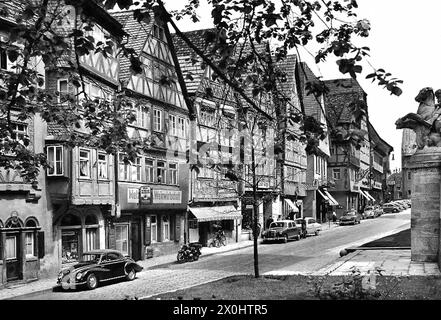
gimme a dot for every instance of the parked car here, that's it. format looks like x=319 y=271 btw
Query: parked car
x=350 y=217
x=400 y=205
x=390 y=208
x=369 y=212
x=378 y=211
x=96 y=267
x=282 y=230
x=312 y=226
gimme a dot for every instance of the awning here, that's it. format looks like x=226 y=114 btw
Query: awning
x=364 y=195
x=292 y=205
x=369 y=195
x=324 y=196
x=216 y=213
x=332 y=201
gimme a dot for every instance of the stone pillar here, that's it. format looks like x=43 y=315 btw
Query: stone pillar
x=425 y=217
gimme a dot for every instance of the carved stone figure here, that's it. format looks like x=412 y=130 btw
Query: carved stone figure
x=427 y=121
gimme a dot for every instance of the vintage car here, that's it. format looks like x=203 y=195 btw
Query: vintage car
x=96 y=267
x=369 y=212
x=282 y=230
x=350 y=217
x=312 y=226
x=390 y=208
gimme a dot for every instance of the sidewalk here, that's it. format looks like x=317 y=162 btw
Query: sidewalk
x=394 y=262
x=19 y=289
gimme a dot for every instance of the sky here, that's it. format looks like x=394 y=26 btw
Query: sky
x=404 y=40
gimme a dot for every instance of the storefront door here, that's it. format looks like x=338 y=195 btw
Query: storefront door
x=13 y=257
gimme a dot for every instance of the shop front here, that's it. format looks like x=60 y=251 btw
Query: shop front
x=327 y=205
x=205 y=221
x=80 y=229
x=151 y=221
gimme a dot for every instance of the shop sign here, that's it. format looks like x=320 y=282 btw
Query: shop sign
x=145 y=195
x=167 y=196
x=132 y=195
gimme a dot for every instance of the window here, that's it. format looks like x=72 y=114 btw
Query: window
x=157 y=120
x=21 y=131
x=173 y=170
x=142 y=117
x=336 y=174
x=317 y=164
x=409 y=176
x=158 y=32
x=160 y=172
x=122 y=238
x=409 y=193
x=165 y=228
x=149 y=170
x=84 y=163
x=173 y=126
x=123 y=168
x=63 y=89
x=181 y=128
x=136 y=170
x=29 y=244
x=154 y=228
x=3 y=59
x=11 y=247
x=102 y=166
x=91 y=239
x=55 y=159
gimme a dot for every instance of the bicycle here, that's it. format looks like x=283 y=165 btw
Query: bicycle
x=218 y=240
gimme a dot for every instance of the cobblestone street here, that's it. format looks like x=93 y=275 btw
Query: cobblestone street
x=304 y=257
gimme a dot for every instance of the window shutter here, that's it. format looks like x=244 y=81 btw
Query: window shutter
x=40 y=240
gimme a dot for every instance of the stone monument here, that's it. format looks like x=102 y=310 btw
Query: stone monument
x=425 y=165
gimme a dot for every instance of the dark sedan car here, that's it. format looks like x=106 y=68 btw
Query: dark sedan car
x=350 y=217
x=96 y=267
x=282 y=230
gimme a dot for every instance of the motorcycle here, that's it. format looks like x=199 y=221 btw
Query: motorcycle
x=189 y=252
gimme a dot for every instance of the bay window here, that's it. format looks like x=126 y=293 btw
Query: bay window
x=149 y=170
x=123 y=168
x=55 y=159
x=173 y=171
x=173 y=126
x=102 y=166
x=136 y=170
x=161 y=172
x=84 y=163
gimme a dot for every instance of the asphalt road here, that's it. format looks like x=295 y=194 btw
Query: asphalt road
x=306 y=255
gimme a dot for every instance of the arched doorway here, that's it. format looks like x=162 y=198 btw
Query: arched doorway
x=13 y=250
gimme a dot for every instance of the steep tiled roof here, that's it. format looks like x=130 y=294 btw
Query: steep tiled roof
x=137 y=32
x=312 y=106
x=187 y=57
x=342 y=93
x=379 y=142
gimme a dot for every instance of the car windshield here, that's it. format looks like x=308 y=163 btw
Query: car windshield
x=298 y=221
x=277 y=225
x=350 y=213
x=368 y=208
x=93 y=258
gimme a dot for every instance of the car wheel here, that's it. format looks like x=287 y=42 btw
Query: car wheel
x=286 y=238
x=317 y=232
x=91 y=281
x=298 y=237
x=180 y=257
x=131 y=274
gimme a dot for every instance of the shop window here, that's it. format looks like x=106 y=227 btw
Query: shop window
x=154 y=228
x=165 y=228
x=173 y=171
x=122 y=238
x=55 y=159
x=70 y=240
x=84 y=163
x=149 y=170
x=161 y=172
x=102 y=166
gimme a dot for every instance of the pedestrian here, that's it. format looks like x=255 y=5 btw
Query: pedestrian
x=269 y=221
x=334 y=217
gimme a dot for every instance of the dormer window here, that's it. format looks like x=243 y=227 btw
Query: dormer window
x=158 y=32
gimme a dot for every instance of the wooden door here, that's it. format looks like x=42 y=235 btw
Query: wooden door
x=13 y=257
x=136 y=240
